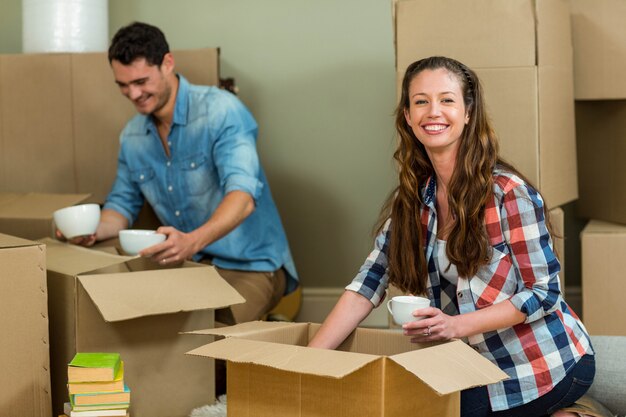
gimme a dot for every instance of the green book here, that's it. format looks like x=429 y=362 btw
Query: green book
x=93 y=367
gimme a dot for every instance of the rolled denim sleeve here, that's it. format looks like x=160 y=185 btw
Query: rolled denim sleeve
x=234 y=151
x=526 y=233
x=372 y=279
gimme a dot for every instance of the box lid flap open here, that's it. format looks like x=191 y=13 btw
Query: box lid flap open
x=310 y=361
x=450 y=367
x=128 y=295
x=7 y=241
x=73 y=260
x=247 y=328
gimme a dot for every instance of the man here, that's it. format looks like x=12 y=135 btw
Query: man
x=191 y=153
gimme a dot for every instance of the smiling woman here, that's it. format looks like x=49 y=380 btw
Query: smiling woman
x=465 y=229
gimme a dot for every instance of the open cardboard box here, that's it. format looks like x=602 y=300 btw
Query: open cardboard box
x=522 y=52
x=108 y=303
x=25 y=375
x=374 y=372
x=29 y=215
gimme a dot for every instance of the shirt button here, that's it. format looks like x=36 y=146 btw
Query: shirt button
x=460 y=294
x=170 y=188
x=193 y=165
x=169 y=143
x=141 y=177
x=177 y=213
x=168 y=163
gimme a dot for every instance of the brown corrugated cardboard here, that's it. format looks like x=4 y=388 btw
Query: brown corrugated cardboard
x=601 y=133
x=526 y=71
x=30 y=215
x=603 y=283
x=378 y=373
x=599 y=48
x=37 y=123
x=72 y=109
x=104 y=302
x=25 y=375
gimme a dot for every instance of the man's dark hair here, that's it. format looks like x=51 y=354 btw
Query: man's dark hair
x=138 y=40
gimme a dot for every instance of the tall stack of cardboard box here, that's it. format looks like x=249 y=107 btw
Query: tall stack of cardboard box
x=600 y=92
x=522 y=53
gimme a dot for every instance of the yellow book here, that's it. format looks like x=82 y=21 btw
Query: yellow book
x=101 y=386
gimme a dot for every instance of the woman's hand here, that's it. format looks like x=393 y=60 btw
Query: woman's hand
x=434 y=326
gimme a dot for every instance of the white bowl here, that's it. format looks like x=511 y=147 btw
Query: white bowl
x=78 y=220
x=134 y=241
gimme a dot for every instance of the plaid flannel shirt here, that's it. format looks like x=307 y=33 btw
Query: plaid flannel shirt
x=537 y=353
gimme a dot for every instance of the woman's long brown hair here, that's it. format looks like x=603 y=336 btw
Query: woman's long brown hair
x=470 y=187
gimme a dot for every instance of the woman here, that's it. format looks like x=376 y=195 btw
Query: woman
x=467 y=230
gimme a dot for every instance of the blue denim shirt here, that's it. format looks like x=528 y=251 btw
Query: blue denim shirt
x=213 y=152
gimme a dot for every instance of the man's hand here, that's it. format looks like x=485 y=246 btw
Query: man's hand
x=86 y=240
x=177 y=248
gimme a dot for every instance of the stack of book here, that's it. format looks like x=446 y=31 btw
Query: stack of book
x=96 y=386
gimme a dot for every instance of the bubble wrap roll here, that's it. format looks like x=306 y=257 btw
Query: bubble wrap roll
x=65 y=25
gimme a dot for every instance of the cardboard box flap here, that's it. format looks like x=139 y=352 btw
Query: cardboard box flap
x=247 y=329
x=7 y=241
x=38 y=205
x=124 y=296
x=73 y=260
x=450 y=367
x=310 y=361
x=266 y=331
x=597 y=226
x=8 y=197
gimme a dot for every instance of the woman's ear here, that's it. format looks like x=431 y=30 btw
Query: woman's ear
x=407 y=117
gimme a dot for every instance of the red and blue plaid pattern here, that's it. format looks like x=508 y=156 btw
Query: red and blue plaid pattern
x=523 y=268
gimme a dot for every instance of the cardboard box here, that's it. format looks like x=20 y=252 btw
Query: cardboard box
x=557 y=217
x=373 y=373
x=70 y=108
x=603 y=283
x=599 y=49
x=105 y=302
x=601 y=132
x=29 y=215
x=25 y=375
x=526 y=71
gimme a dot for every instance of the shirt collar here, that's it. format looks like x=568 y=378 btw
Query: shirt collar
x=430 y=191
x=181 y=107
